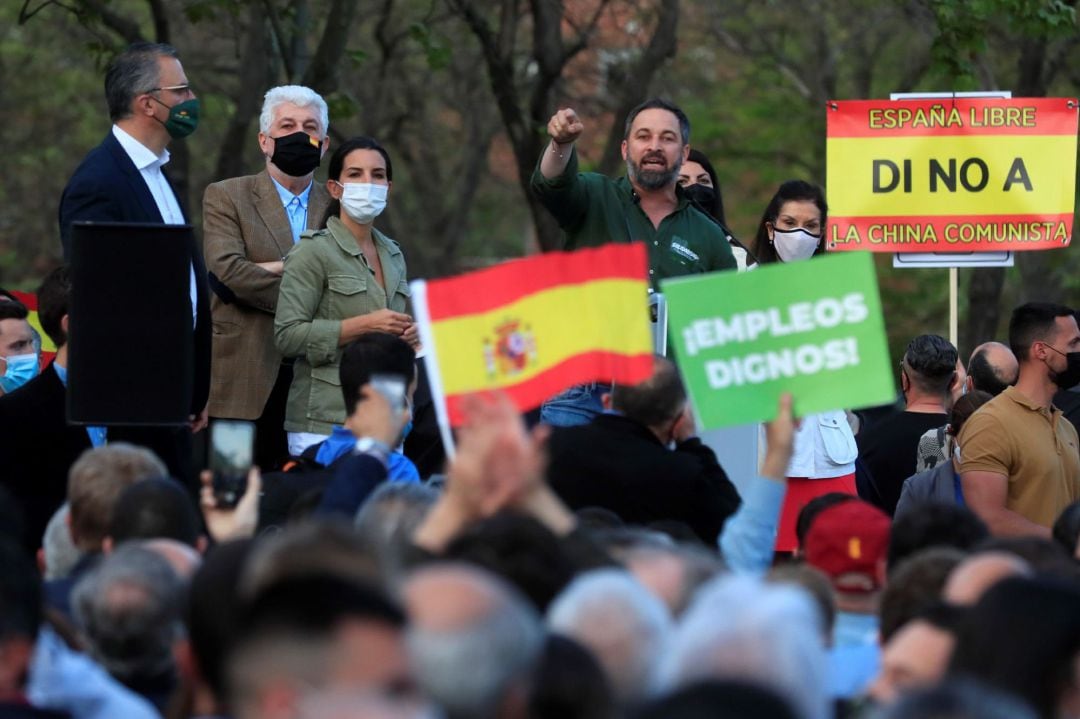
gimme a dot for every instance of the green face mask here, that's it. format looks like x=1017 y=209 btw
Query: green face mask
x=183 y=118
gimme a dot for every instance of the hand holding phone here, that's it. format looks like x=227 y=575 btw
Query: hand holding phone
x=231 y=452
x=382 y=410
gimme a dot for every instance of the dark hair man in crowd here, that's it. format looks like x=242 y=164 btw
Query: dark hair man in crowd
x=621 y=460
x=888 y=449
x=1019 y=465
x=374 y=436
x=121 y=180
x=645 y=206
x=303 y=637
x=39 y=446
x=18 y=359
x=249 y=225
x=991 y=368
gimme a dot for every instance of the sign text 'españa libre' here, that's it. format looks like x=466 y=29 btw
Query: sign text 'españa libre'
x=811 y=328
x=951 y=175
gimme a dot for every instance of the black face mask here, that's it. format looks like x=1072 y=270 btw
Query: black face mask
x=1070 y=377
x=703 y=195
x=297 y=154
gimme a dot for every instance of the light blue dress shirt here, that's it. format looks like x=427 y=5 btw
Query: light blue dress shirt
x=296 y=207
x=98 y=435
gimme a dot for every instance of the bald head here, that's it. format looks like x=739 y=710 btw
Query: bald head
x=992 y=367
x=184 y=559
x=450 y=597
x=972 y=577
x=472 y=639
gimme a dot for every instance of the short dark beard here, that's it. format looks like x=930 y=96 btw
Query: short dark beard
x=652 y=179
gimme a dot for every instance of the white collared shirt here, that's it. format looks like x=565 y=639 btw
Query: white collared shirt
x=149 y=166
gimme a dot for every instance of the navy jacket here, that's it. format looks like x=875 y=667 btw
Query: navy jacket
x=37 y=449
x=107 y=187
x=618 y=464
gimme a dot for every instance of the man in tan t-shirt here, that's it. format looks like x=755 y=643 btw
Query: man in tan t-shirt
x=1019 y=463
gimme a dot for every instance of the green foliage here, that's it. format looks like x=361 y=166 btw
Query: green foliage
x=212 y=10
x=964 y=25
x=435 y=48
x=753 y=76
x=358 y=57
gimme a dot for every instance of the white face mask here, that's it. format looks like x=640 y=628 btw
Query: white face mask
x=794 y=245
x=363 y=201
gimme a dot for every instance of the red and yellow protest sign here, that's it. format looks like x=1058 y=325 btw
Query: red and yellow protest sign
x=951 y=175
x=536 y=326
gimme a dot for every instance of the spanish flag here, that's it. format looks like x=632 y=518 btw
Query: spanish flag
x=536 y=326
x=48 y=349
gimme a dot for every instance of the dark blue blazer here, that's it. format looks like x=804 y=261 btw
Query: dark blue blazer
x=37 y=448
x=107 y=187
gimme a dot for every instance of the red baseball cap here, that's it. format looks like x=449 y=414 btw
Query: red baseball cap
x=848 y=541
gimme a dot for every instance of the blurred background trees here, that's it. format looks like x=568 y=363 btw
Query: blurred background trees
x=460 y=92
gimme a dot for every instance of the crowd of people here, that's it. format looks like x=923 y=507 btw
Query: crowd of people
x=593 y=561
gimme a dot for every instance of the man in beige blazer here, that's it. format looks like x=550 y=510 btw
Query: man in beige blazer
x=249 y=224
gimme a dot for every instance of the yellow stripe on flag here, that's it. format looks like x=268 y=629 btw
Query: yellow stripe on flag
x=851 y=159
x=554 y=325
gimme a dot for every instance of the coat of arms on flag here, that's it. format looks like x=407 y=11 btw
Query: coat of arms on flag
x=536 y=326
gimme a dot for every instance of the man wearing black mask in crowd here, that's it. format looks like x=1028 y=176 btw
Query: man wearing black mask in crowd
x=249 y=225
x=1019 y=462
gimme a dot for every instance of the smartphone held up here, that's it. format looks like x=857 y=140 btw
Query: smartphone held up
x=232 y=446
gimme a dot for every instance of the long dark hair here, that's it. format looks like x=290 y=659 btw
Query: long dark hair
x=717 y=210
x=337 y=163
x=792 y=190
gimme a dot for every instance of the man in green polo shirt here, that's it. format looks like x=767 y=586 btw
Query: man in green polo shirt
x=645 y=206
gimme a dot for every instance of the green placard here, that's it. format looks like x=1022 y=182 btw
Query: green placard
x=811 y=328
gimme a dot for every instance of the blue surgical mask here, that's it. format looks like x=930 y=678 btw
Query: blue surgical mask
x=408 y=428
x=20 y=370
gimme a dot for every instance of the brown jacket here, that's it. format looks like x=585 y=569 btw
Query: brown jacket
x=244 y=223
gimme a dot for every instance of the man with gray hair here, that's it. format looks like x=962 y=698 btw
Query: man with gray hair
x=741 y=628
x=129 y=611
x=150 y=104
x=249 y=225
x=390 y=517
x=624 y=626
x=473 y=641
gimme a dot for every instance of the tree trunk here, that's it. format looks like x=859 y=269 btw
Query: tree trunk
x=984 y=308
x=634 y=86
x=255 y=75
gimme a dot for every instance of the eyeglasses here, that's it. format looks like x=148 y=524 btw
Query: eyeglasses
x=174 y=88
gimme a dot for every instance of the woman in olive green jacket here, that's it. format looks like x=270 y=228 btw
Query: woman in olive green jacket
x=339 y=283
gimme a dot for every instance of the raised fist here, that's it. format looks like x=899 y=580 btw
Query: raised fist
x=565 y=127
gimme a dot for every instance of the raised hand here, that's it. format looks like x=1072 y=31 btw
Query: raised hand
x=565 y=126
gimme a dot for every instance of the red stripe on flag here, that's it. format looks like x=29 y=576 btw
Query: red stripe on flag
x=950 y=233
x=27 y=299
x=599 y=366
x=510 y=281
x=853 y=118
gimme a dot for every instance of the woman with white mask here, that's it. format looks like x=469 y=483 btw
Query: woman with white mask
x=823 y=461
x=339 y=282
